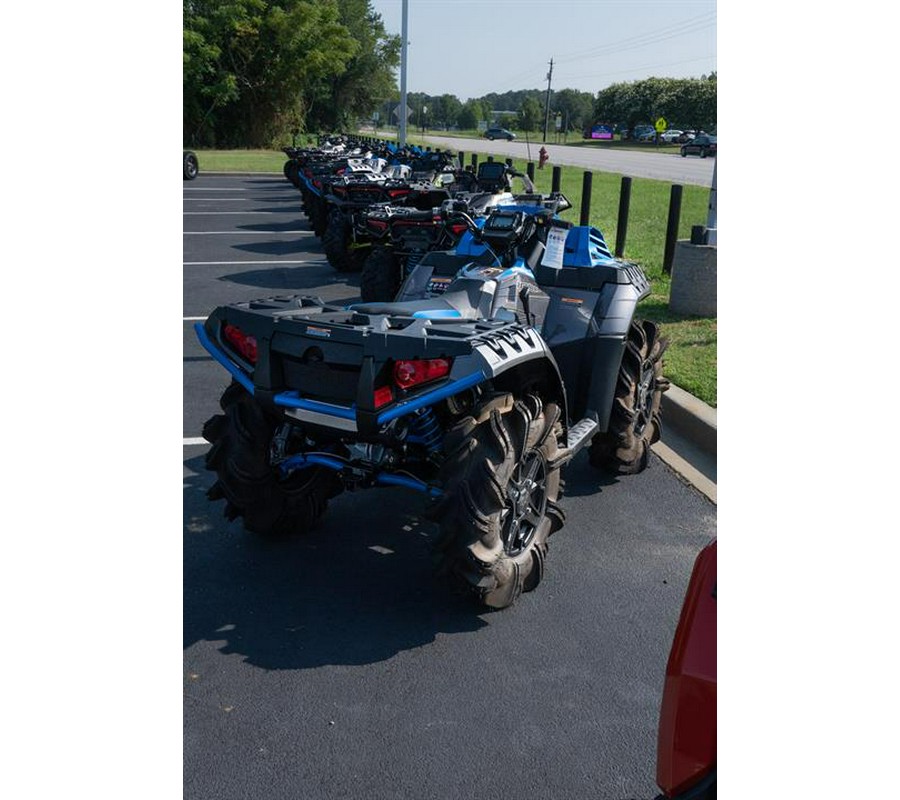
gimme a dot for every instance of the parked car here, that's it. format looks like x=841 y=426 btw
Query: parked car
x=191 y=166
x=670 y=135
x=702 y=145
x=643 y=133
x=686 y=136
x=499 y=133
x=686 y=740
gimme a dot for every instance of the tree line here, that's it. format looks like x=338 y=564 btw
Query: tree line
x=257 y=71
x=683 y=102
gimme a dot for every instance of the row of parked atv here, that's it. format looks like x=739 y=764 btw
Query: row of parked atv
x=493 y=343
x=378 y=211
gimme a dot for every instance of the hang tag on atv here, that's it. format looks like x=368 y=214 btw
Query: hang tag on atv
x=555 y=248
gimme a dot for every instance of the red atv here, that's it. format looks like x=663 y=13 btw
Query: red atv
x=686 y=747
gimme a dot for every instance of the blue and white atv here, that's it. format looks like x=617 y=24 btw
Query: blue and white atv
x=475 y=387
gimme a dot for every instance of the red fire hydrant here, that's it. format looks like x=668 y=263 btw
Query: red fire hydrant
x=543 y=157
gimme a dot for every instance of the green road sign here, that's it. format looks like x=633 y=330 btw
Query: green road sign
x=661 y=125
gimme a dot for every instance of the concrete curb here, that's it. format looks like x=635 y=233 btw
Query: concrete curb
x=693 y=418
x=688 y=445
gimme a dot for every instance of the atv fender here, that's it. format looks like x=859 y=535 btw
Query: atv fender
x=516 y=360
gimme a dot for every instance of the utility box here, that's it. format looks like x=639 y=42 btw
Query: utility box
x=693 y=289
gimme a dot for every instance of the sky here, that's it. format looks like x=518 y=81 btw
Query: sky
x=471 y=48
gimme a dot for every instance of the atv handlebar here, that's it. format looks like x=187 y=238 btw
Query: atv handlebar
x=456 y=210
x=529 y=186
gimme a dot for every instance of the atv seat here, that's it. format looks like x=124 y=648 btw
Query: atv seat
x=465 y=300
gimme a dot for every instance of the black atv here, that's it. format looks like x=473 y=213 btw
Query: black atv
x=315 y=176
x=347 y=241
x=401 y=236
x=475 y=388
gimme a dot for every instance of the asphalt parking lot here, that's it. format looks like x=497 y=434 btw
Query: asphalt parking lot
x=334 y=666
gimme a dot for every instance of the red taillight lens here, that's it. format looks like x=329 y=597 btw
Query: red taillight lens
x=412 y=373
x=244 y=344
x=383 y=396
x=377 y=225
x=397 y=192
x=458 y=229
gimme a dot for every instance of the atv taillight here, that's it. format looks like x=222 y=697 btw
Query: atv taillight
x=397 y=192
x=412 y=373
x=377 y=224
x=458 y=229
x=383 y=396
x=242 y=342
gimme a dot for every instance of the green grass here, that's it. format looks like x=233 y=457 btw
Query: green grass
x=690 y=361
x=574 y=139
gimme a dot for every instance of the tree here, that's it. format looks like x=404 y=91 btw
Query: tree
x=451 y=108
x=530 y=114
x=577 y=108
x=369 y=75
x=684 y=102
x=255 y=69
x=472 y=112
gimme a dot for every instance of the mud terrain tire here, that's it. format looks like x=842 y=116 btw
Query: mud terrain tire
x=381 y=276
x=252 y=488
x=336 y=241
x=635 y=421
x=501 y=498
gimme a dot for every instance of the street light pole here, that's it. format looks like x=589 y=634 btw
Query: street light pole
x=403 y=43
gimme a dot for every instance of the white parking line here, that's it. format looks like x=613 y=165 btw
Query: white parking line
x=242 y=233
x=260 y=199
x=195 y=440
x=226 y=263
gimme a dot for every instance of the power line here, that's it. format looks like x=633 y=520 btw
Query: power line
x=644 y=40
x=646 y=66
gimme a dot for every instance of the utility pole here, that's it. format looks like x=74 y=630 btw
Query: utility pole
x=547 y=102
x=403 y=35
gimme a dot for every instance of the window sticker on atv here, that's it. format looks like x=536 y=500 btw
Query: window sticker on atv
x=555 y=248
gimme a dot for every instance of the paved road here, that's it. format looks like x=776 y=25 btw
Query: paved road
x=669 y=167
x=333 y=666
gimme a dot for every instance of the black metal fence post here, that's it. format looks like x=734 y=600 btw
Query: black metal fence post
x=622 y=223
x=461 y=159
x=475 y=162
x=557 y=179
x=530 y=170
x=586 y=188
x=672 y=227
x=509 y=162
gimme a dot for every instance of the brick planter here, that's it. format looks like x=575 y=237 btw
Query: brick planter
x=693 y=279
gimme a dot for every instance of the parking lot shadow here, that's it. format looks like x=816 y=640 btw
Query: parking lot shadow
x=302 y=244
x=584 y=480
x=303 y=276
x=358 y=590
x=277 y=227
